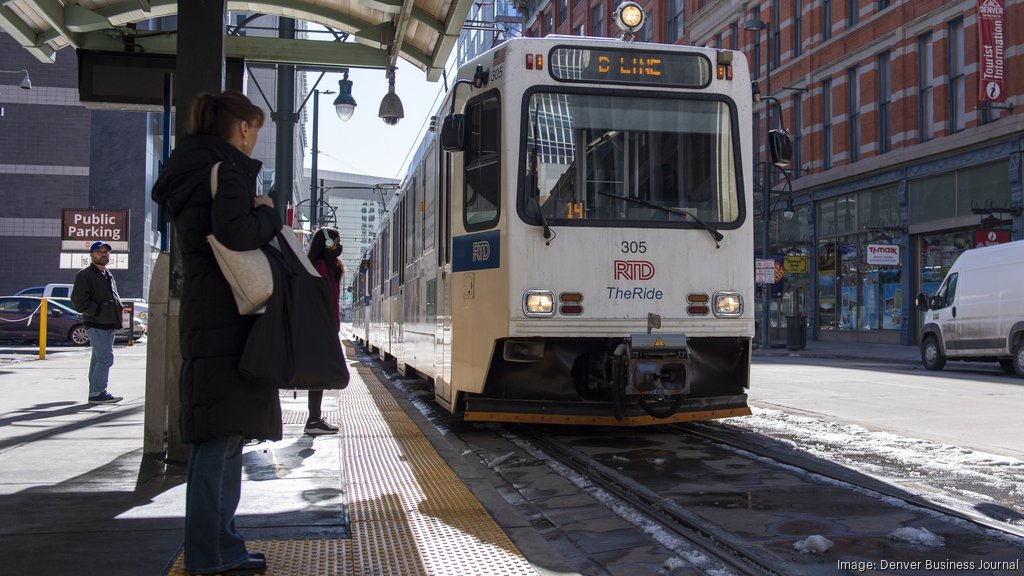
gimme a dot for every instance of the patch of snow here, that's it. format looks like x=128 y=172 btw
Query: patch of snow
x=815 y=544
x=500 y=460
x=917 y=536
x=954 y=476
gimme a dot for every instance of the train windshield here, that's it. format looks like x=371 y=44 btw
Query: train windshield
x=600 y=160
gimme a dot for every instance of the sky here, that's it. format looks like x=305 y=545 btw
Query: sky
x=364 y=144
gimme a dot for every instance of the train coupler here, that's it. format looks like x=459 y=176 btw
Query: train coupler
x=652 y=370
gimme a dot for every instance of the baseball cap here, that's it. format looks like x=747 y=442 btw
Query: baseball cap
x=97 y=245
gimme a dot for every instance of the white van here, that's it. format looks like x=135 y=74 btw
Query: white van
x=978 y=312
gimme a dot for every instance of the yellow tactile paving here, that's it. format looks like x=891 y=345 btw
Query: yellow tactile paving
x=411 y=514
x=320 y=557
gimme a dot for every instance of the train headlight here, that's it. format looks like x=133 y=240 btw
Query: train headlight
x=728 y=304
x=630 y=17
x=539 y=303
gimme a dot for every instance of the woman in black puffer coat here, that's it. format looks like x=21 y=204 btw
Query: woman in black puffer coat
x=220 y=409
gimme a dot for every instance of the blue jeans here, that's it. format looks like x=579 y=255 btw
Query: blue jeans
x=102 y=342
x=214 y=486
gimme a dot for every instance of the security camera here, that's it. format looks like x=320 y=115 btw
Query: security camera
x=391 y=110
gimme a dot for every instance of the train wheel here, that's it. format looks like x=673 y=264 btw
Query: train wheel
x=931 y=354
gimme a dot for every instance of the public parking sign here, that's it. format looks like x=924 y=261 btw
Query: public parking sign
x=80 y=228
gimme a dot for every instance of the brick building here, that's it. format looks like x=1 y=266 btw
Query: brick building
x=894 y=140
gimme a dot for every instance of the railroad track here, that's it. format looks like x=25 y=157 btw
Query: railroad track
x=750 y=517
x=723 y=434
x=719 y=544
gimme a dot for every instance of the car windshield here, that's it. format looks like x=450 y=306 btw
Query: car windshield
x=62 y=303
x=604 y=160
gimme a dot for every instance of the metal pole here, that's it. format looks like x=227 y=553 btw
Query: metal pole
x=313 y=200
x=766 y=210
x=284 y=123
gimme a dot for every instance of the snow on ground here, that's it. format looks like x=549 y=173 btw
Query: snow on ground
x=948 y=475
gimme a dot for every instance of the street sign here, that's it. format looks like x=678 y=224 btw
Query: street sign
x=795 y=264
x=764 y=271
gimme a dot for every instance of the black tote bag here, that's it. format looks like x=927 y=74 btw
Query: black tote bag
x=293 y=344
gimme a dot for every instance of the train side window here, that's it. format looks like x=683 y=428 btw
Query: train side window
x=482 y=186
x=427 y=215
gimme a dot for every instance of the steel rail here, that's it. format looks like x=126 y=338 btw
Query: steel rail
x=727 y=548
x=840 y=473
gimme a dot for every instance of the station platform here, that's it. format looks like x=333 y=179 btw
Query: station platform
x=386 y=496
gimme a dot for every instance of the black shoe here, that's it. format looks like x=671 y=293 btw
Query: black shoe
x=318 y=427
x=251 y=566
x=104 y=398
x=254 y=565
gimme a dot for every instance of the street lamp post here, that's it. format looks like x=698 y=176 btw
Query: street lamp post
x=757 y=26
x=344 y=106
x=26 y=82
x=314 y=188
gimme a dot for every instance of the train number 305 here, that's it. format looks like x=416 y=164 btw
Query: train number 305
x=634 y=247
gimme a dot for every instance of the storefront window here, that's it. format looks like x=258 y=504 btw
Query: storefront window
x=880 y=289
x=837 y=216
x=847 y=282
x=932 y=198
x=827 y=313
x=853 y=294
x=956 y=193
x=985 y=186
x=938 y=252
x=878 y=208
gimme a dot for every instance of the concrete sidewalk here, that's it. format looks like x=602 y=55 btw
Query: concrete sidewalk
x=77 y=496
x=899 y=353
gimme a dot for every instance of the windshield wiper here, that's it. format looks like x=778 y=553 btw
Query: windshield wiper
x=533 y=186
x=715 y=234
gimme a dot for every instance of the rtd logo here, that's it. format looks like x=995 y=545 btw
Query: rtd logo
x=894 y=250
x=481 y=251
x=633 y=270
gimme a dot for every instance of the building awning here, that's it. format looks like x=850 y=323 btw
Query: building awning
x=423 y=32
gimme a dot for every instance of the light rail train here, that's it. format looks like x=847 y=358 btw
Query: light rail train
x=574 y=243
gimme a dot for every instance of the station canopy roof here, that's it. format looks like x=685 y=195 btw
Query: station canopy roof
x=423 y=32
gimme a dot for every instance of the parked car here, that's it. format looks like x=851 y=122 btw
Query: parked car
x=19 y=320
x=139 y=328
x=54 y=290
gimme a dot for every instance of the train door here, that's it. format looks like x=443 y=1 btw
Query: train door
x=385 y=291
x=398 y=319
x=443 y=319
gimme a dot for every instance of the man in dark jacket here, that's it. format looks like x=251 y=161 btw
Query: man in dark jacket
x=95 y=297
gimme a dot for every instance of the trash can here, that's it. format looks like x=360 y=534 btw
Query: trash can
x=796 y=332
